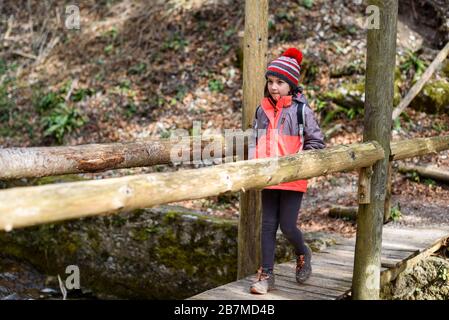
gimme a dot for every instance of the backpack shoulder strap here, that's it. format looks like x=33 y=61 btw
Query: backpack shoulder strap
x=300 y=116
x=257 y=110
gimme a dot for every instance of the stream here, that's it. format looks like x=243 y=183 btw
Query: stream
x=21 y=281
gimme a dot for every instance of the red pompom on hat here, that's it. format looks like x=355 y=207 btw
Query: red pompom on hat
x=287 y=67
x=294 y=53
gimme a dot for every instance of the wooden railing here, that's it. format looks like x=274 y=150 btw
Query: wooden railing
x=16 y=163
x=27 y=206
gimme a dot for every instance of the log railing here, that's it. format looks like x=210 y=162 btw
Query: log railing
x=27 y=206
x=38 y=162
x=16 y=163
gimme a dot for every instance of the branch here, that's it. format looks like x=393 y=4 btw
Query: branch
x=417 y=87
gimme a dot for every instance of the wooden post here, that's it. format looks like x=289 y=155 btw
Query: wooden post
x=387 y=206
x=255 y=45
x=381 y=55
x=364 y=193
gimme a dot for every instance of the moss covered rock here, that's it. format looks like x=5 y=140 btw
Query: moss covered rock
x=160 y=253
x=352 y=95
x=433 y=98
x=427 y=280
x=41 y=181
x=347 y=95
x=445 y=69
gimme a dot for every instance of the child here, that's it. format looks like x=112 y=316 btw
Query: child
x=284 y=111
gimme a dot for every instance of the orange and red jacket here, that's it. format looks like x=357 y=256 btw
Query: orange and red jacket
x=278 y=133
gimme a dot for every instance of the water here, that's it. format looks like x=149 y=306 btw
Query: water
x=21 y=281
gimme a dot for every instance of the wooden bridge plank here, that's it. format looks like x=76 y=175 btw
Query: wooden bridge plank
x=231 y=291
x=320 y=278
x=319 y=267
x=240 y=291
x=390 y=257
x=333 y=267
x=316 y=283
x=323 y=268
x=335 y=258
x=415 y=236
x=349 y=251
x=400 y=246
x=290 y=285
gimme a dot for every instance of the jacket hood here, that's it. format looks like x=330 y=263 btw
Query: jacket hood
x=299 y=98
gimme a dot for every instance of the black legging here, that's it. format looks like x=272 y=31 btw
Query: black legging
x=280 y=207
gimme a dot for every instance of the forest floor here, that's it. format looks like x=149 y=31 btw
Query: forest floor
x=139 y=69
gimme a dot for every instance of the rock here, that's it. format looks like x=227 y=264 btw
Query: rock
x=159 y=253
x=49 y=291
x=13 y=296
x=427 y=280
x=434 y=97
x=352 y=95
x=356 y=66
x=347 y=95
x=407 y=39
x=318 y=245
x=428 y=17
x=319 y=241
x=445 y=69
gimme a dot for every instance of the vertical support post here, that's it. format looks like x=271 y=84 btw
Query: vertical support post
x=255 y=45
x=379 y=87
x=387 y=207
x=364 y=193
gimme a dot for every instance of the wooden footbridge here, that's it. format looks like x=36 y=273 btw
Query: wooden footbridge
x=376 y=256
x=332 y=268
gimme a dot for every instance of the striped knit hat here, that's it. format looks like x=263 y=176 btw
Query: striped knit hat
x=286 y=67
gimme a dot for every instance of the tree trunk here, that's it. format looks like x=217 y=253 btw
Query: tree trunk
x=387 y=206
x=381 y=54
x=27 y=206
x=255 y=45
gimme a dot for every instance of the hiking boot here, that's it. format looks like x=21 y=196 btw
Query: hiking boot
x=304 y=266
x=264 y=282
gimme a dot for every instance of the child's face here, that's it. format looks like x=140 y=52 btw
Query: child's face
x=277 y=87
